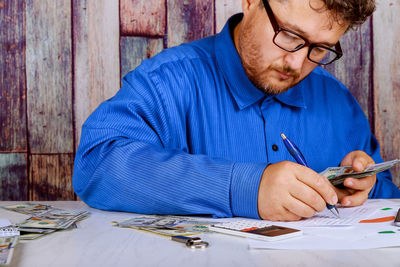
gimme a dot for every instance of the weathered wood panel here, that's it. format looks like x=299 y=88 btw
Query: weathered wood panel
x=50 y=177
x=135 y=49
x=96 y=56
x=142 y=17
x=13 y=135
x=49 y=76
x=354 y=69
x=13 y=176
x=386 y=32
x=189 y=20
x=223 y=10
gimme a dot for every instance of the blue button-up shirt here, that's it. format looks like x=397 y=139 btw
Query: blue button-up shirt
x=188 y=133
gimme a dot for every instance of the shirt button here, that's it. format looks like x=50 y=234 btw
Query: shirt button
x=275 y=147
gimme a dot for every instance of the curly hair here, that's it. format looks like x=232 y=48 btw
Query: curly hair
x=352 y=12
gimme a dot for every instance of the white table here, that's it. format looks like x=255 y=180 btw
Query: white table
x=97 y=243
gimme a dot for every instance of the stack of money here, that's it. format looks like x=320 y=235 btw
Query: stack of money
x=166 y=225
x=45 y=219
x=336 y=175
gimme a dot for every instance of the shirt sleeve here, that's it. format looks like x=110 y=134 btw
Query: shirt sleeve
x=125 y=161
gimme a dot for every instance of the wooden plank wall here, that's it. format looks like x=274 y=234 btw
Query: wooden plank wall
x=60 y=59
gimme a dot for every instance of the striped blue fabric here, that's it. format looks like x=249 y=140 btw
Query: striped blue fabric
x=188 y=133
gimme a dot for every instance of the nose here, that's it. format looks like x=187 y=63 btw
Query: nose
x=296 y=59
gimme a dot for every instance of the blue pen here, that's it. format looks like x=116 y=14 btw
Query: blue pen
x=296 y=154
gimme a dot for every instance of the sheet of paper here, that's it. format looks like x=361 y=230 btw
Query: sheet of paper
x=4 y=222
x=348 y=217
x=358 y=236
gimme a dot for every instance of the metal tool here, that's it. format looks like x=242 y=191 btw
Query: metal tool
x=190 y=242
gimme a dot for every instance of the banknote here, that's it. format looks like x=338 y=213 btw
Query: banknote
x=29 y=208
x=166 y=232
x=33 y=233
x=54 y=219
x=166 y=225
x=336 y=175
x=45 y=219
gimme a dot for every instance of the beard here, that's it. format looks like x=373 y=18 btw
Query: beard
x=265 y=78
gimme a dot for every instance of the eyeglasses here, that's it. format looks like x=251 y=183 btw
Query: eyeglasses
x=291 y=41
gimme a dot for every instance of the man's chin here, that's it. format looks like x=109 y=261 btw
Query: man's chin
x=276 y=88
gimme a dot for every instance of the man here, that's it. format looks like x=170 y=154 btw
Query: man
x=196 y=129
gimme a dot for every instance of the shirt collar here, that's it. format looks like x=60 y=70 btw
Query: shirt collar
x=294 y=96
x=242 y=89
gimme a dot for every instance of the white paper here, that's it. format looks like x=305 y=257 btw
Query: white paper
x=4 y=222
x=358 y=236
x=348 y=217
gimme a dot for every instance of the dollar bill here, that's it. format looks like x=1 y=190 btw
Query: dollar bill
x=33 y=233
x=166 y=232
x=336 y=175
x=166 y=225
x=54 y=219
x=29 y=208
x=45 y=219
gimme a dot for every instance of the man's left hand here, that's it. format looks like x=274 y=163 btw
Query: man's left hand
x=357 y=190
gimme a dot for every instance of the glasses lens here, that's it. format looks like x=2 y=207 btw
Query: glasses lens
x=322 y=55
x=288 y=40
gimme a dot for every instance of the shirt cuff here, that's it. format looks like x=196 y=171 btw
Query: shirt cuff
x=245 y=182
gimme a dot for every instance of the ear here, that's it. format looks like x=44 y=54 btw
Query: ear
x=248 y=5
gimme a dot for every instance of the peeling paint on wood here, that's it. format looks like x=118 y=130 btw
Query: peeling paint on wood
x=50 y=177
x=142 y=17
x=189 y=20
x=386 y=52
x=49 y=76
x=13 y=176
x=223 y=10
x=135 y=49
x=355 y=67
x=13 y=135
x=96 y=56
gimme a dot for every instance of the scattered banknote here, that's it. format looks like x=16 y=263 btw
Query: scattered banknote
x=45 y=219
x=336 y=175
x=9 y=237
x=33 y=233
x=166 y=225
x=54 y=219
x=29 y=208
x=166 y=232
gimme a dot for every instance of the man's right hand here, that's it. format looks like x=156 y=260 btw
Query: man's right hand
x=289 y=191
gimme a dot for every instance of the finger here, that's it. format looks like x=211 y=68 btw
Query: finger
x=281 y=214
x=364 y=183
x=348 y=159
x=290 y=216
x=358 y=160
x=357 y=199
x=361 y=161
x=299 y=208
x=317 y=182
x=308 y=196
x=341 y=193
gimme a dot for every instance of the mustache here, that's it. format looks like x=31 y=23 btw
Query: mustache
x=287 y=71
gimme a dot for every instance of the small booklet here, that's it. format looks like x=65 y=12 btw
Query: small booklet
x=9 y=237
